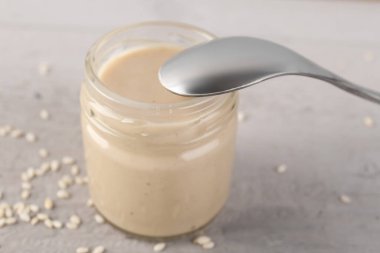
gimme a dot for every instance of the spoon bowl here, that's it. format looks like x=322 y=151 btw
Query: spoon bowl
x=232 y=63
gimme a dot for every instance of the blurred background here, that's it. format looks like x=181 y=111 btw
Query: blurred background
x=315 y=129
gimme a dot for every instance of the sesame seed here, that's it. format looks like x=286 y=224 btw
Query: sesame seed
x=99 y=219
x=345 y=199
x=16 y=133
x=34 y=221
x=4 y=130
x=281 y=168
x=25 y=194
x=48 y=204
x=42 y=216
x=67 y=179
x=63 y=194
x=75 y=170
x=368 y=122
x=24 y=216
x=8 y=212
x=62 y=184
x=34 y=208
x=99 y=249
x=10 y=221
x=19 y=206
x=57 y=224
x=68 y=160
x=54 y=165
x=82 y=250
x=79 y=180
x=44 y=68
x=44 y=114
x=202 y=240
x=31 y=172
x=26 y=185
x=85 y=180
x=75 y=219
x=159 y=247
x=208 y=245
x=30 y=137
x=43 y=153
x=25 y=177
x=71 y=225
x=90 y=203
x=2 y=222
x=2 y=213
x=48 y=223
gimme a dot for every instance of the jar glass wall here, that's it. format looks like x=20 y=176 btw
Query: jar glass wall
x=155 y=170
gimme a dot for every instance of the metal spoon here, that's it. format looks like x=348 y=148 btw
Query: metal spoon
x=232 y=63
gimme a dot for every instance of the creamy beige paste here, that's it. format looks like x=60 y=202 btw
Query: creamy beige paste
x=150 y=191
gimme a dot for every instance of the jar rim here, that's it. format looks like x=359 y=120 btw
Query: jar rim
x=99 y=86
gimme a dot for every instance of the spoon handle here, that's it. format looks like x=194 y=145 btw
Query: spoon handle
x=327 y=76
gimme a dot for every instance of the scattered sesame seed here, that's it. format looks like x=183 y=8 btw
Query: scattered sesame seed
x=79 y=180
x=99 y=219
x=57 y=224
x=48 y=204
x=43 y=153
x=90 y=203
x=25 y=194
x=10 y=221
x=62 y=185
x=30 y=137
x=281 y=168
x=24 y=216
x=71 y=225
x=63 y=194
x=68 y=160
x=68 y=180
x=4 y=130
x=82 y=250
x=75 y=170
x=48 y=223
x=8 y=212
x=55 y=165
x=34 y=221
x=345 y=199
x=202 y=239
x=42 y=216
x=208 y=245
x=16 y=133
x=34 y=208
x=75 y=219
x=2 y=222
x=26 y=185
x=31 y=172
x=159 y=247
x=44 y=68
x=44 y=114
x=368 y=121
x=99 y=249
x=25 y=177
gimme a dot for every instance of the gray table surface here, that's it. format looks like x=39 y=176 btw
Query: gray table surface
x=312 y=127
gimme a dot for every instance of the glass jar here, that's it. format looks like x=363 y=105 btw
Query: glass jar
x=155 y=170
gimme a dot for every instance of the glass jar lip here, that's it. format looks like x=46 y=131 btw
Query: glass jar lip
x=98 y=85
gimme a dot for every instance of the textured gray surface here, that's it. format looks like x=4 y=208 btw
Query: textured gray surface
x=314 y=128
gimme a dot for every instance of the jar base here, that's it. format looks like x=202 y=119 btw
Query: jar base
x=134 y=235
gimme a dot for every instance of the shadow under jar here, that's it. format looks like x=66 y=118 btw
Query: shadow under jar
x=156 y=169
